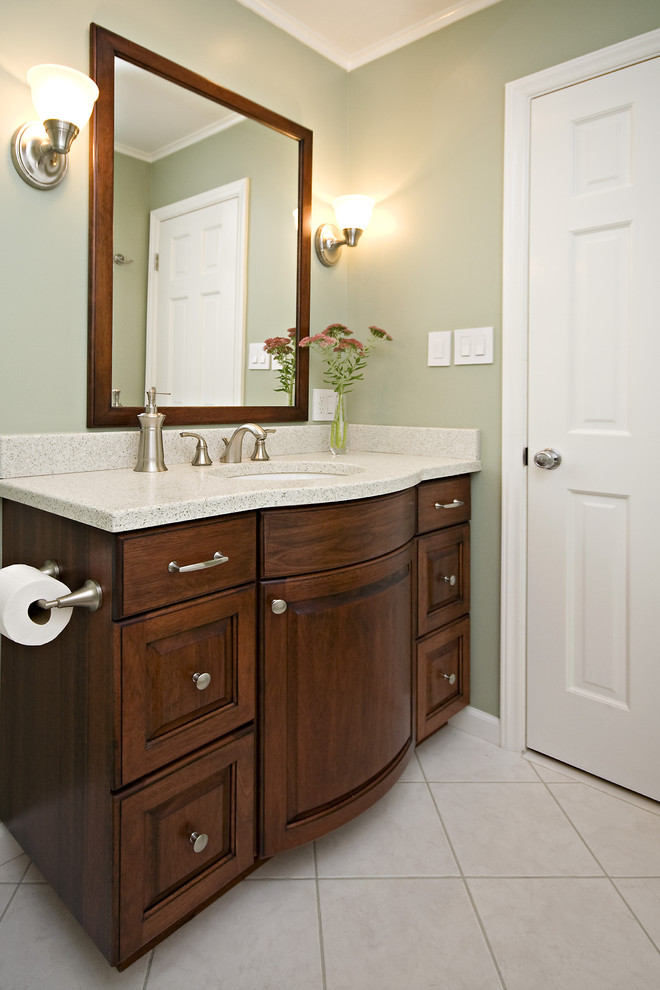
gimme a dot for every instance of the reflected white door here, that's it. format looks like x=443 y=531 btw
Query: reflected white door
x=593 y=677
x=196 y=300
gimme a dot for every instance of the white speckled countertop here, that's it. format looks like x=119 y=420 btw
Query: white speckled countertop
x=120 y=499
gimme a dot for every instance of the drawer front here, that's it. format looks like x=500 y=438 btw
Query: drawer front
x=188 y=677
x=444 y=502
x=162 y=877
x=146 y=582
x=321 y=537
x=443 y=676
x=443 y=577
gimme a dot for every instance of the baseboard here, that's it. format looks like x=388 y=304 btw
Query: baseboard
x=477 y=723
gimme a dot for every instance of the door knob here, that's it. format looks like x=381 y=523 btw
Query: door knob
x=548 y=458
x=279 y=606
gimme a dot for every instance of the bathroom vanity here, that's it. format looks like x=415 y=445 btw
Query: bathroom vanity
x=205 y=719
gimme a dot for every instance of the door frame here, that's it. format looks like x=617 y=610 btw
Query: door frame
x=517 y=155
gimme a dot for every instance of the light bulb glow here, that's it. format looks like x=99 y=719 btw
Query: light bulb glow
x=61 y=93
x=353 y=211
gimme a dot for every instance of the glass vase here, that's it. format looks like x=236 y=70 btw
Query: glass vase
x=339 y=427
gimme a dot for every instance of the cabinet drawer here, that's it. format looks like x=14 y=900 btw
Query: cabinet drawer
x=322 y=537
x=143 y=559
x=443 y=577
x=162 y=878
x=444 y=502
x=187 y=678
x=443 y=676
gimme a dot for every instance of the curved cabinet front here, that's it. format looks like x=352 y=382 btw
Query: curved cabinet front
x=337 y=713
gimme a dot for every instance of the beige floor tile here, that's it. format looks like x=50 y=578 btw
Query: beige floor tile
x=565 y=934
x=401 y=835
x=6 y=892
x=415 y=934
x=511 y=830
x=625 y=839
x=554 y=772
x=643 y=896
x=14 y=869
x=452 y=755
x=296 y=864
x=262 y=935
x=413 y=771
x=42 y=946
x=9 y=847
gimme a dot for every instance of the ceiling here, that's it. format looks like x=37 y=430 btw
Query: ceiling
x=354 y=32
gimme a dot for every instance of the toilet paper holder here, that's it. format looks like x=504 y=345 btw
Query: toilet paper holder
x=89 y=595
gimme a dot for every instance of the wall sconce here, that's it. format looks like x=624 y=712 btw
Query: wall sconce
x=353 y=213
x=64 y=99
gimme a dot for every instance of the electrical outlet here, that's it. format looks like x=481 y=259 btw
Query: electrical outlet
x=324 y=401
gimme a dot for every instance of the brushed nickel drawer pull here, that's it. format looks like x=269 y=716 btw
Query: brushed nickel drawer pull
x=278 y=606
x=450 y=580
x=218 y=558
x=450 y=677
x=199 y=841
x=450 y=505
x=201 y=681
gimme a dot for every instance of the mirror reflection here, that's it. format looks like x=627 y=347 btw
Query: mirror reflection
x=204 y=259
x=204 y=252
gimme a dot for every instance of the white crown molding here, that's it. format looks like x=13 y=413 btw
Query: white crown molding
x=184 y=142
x=353 y=60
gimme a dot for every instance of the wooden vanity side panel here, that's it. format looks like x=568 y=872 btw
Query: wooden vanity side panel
x=56 y=726
x=305 y=540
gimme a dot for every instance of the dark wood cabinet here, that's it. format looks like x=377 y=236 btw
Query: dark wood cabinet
x=337 y=710
x=442 y=648
x=205 y=719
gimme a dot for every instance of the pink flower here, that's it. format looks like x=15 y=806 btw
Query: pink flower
x=380 y=334
x=273 y=342
x=347 y=345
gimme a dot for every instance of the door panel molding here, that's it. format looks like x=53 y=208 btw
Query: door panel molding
x=519 y=95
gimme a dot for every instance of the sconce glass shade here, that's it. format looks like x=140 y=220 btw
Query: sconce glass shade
x=61 y=93
x=353 y=212
x=64 y=99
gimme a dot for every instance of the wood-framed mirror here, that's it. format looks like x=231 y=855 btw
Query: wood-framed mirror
x=200 y=245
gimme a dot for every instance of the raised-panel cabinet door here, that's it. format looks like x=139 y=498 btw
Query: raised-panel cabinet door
x=183 y=838
x=337 y=710
x=187 y=678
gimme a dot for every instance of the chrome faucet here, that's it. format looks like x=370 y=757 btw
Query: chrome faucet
x=234 y=446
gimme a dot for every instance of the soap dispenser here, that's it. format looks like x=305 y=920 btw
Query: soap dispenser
x=150 y=453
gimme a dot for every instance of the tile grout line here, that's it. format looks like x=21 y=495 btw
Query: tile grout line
x=319 y=916
x=148 y=972
x=18 y=884
x=463 y=878
x=606 y=875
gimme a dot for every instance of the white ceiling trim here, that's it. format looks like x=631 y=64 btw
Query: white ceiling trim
x=353 y=60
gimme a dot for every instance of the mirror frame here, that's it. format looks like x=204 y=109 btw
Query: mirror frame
x=105 y=47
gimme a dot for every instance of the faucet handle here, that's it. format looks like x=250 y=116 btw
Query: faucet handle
x=201 y=457
x=260 y=453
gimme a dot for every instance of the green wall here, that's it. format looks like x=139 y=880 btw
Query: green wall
x=420 y=129
x=427 y=140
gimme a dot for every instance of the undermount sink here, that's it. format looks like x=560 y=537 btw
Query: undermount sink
x=274 y=473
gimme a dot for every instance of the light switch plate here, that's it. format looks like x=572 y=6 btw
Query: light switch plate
x=323 y=404
x=473 y=346
x=439 y=352
x=258 y=360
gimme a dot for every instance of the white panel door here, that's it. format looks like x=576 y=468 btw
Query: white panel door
x=195 y=313
x=593 y=677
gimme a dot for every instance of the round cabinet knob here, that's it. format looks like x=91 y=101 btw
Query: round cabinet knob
x=451 y=580
x=201 y=681
x=199 y=841
x=450 y=677
x=548 y=458
x=278 y=605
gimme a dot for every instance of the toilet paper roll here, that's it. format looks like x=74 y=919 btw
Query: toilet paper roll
x=21 y=619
